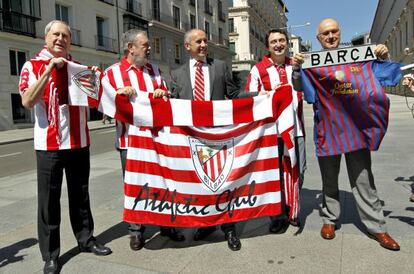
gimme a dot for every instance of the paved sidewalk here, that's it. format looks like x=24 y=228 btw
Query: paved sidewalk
x=297 y=251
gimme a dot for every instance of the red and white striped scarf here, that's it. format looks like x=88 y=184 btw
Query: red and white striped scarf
x=55 y=91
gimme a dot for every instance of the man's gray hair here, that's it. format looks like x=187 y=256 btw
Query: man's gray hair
x=51 y=23
x=129 y=37
x=189 y=35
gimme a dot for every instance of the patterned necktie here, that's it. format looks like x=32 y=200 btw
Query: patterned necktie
x=282 y=74
x=199 y=82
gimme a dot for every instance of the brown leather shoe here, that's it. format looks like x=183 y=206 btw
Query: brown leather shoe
x=328 y=231
x=385 y=241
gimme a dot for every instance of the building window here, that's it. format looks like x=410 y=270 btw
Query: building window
x=396 y=46
x=192 y=21
x=100 y=26
x=220 y=36
x=232 y=48
x=156 y=10
x=62 y=13
x=17 y=60
x=220 y=12
x=103 y=41
x=406 y=33
x=20 y=114
x=207 y=8
x=133 y=22
x=176 y=17
x=207 y=29
x=157 y=48
x=177 y=53
x=231 y=24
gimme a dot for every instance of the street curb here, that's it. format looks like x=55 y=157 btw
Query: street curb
x=31 y=138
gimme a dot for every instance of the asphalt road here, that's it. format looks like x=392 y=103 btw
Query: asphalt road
x=19 y=157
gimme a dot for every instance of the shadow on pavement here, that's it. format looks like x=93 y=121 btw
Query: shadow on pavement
x=405 y=219
x=311 y=199
x=8 y=254
x=117 y=231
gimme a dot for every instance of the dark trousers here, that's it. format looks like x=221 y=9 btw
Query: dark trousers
x=50 y=166
x=134 y=229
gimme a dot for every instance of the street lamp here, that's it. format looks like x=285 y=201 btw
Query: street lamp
x=289 y=28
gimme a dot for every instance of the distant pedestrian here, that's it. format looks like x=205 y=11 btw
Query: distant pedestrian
x=106 y=118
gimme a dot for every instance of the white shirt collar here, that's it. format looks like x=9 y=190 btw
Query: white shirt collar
x=193 y=62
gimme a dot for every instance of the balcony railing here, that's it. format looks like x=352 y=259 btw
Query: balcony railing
x=171 y=21
x=76 y=38
x=232 y=29
x=221 y=16
x=208 y=9
x=110 y=2
x=106 y=43
x=219 y=39
x=134 y=6
x=11 y=21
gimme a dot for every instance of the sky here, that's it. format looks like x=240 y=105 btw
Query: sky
x=354 y=16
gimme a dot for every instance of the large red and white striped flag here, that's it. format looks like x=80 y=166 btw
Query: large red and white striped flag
x=201 y=163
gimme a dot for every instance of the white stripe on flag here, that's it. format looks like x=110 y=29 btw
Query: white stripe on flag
x=181 y=111
x=223 y=112
x=156 y=181
x=262 y=107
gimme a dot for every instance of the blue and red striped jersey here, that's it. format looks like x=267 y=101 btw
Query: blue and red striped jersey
x=350 y=104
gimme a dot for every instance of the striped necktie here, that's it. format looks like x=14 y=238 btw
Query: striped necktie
x=199 y=82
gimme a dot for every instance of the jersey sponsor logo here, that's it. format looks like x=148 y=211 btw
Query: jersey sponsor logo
x=212 y=161
x=88 y=82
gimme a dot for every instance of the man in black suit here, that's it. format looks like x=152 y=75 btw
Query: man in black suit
x=203 y=78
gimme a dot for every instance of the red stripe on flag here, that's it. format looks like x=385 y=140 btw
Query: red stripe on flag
x=255 y=166
x=242 y=110
x=166 y=150
x=220 y=136
x=212 y=174
x=155 y=169
x=74 y=128
x=202 y=113
x=161 y=112
x=190 y=176
x=124 y=109
x=264 y=141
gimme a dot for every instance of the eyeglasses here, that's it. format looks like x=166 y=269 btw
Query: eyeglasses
x=326 y=33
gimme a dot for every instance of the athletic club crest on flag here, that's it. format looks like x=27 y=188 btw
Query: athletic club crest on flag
x=212 y=161
x=88 y=81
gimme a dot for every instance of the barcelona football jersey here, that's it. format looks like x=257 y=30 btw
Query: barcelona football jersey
x=350 y=104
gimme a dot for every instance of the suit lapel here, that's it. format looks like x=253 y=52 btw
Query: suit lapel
x=211 y=74
x=187 y=81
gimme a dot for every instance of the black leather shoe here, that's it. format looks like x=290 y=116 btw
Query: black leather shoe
x=96 y=248
x=172 y=233
x=278 y=226
x=203 y=232
x=232 y=240
x=136 y=242
x=51 y=267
